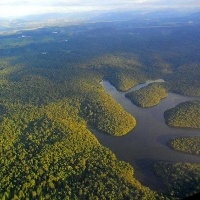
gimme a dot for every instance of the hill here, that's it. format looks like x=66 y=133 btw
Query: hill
x=186 y=114
x=148 y=96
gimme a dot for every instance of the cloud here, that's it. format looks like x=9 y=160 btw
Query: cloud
x=67 y=2
x=196 y=2
x=25 y=7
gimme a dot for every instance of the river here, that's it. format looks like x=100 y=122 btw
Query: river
x=147 y=142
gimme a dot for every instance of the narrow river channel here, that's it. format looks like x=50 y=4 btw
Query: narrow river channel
x=147 y=143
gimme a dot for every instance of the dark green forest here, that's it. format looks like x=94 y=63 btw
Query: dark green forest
x=180 y=179
x=51 y=97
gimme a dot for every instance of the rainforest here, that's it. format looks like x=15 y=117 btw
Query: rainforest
x=79 y=119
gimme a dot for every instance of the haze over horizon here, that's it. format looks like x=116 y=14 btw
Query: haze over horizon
x=20 y=8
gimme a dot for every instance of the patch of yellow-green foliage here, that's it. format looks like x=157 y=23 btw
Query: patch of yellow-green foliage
x=50 y=93
x=186 y=114
x=148 y=96
x=186 y=144
x=106 y=115
x=47 y=152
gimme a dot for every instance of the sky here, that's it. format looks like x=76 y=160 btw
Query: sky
x=17 y=8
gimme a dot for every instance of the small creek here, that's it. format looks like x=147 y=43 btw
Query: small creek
x=147 y=143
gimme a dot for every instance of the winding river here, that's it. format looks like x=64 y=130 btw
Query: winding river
x=147 y=143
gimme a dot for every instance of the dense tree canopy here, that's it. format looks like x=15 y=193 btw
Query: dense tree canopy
x=181 y=179
x=186 y=114
x=48 y=153
x=186 y=144
x=50 y=94
x=148 y=96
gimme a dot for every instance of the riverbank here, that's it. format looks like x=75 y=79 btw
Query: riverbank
x=148 y=141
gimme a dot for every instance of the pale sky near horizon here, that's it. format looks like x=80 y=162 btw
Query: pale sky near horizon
x=16 y=8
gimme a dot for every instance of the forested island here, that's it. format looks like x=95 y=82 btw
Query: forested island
x=148 y=96
x=186 y=114
x=186 y=144
x=51 y=96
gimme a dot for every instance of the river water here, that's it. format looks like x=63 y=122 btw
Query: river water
x=147 y=142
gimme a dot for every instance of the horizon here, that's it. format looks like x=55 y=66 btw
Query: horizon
x=23 y=8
